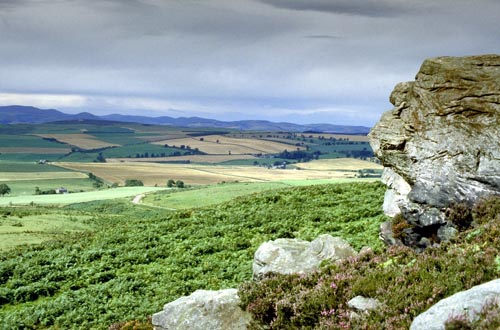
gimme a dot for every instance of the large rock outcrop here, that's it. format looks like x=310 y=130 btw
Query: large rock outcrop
x=441 y=142
x=294 y=256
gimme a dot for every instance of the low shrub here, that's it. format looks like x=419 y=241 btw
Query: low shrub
x=406 y=282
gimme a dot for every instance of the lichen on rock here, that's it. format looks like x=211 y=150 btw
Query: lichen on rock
x=441 y=141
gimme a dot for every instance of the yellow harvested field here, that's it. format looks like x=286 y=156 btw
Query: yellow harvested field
x=336 y=164
x=23 y=176
x=212 y=159
x=227 y=145
x=83 y=141
x=23 y=150
x=192 y=174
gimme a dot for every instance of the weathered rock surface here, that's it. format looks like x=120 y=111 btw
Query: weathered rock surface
x=289 y=256
x=363 y=304
x=203 y=310
x=466 y=303
x=441 y=142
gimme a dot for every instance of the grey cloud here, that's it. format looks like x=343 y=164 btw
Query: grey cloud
x=370 y=8
x=322 y=36
x=223 y=53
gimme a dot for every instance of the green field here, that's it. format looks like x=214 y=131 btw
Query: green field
x=16 y=230
x=215 y=194
x=64 y=199
x=207 y=195
x=21 y=141
x=26 y=187
x=7 y=166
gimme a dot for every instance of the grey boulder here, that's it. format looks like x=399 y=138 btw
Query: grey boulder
x=203 y=310
x=294 y=256
x=466 y=303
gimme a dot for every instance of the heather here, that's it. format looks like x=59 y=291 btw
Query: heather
x=406 y=282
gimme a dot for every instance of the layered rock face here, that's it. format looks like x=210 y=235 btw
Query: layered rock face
x=441 y=142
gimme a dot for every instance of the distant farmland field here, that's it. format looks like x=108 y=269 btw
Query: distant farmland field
x=356 y=138
x=33 y=150
x=33 y=176
x=210 y=159
x=64 y=199
x=350 y=164
x=226 y=145
x=83 y=141
x=193 y=174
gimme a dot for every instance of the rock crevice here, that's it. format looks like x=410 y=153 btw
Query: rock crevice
x=441 y=141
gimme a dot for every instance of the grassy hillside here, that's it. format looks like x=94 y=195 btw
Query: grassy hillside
x=135 y=259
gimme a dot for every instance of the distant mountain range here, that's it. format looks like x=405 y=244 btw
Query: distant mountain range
x=16 y=114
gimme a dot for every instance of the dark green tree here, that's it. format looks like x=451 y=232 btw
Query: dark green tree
x=133 y=183
x=4 y=189
x=179 y=184
x=170 y=183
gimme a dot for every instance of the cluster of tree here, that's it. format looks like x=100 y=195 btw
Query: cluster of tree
x=44 y=192
x=301 y=155
x=172 y=183
x=100 y=158
x=362 y=154
x=133 y=183
x=163 y=154
x=98 y=182
x=4 y=189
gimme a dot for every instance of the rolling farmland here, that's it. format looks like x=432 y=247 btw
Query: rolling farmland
x=222 y=145
x=337 y=164
x=194 y=174
x=210 y=159
x=83 y=141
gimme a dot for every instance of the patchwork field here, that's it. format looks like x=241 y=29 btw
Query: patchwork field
x=355 y=138
x=337 y=164
x=193 y=174
x=218 y=144
x=83 y=141
x=210 y=159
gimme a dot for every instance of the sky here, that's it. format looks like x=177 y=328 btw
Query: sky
x=299 y=61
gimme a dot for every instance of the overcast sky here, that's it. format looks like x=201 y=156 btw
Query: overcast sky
x=303 y=61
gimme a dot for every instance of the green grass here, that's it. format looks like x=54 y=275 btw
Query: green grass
x=28 y=141
x=23 y=188
x=207 y=195
x=38 y=228
x=10 y=166
x=64 y=199
x=30 y=158
x=138 y=258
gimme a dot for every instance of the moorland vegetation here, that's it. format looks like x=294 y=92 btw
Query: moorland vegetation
x=134 y=258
